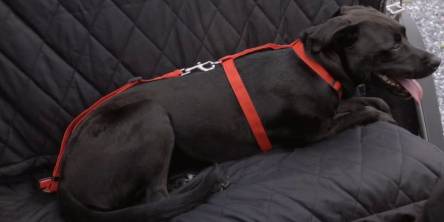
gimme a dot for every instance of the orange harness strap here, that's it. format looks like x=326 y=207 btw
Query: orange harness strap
x=298 y=48
x=246 y=105
x=244 y=98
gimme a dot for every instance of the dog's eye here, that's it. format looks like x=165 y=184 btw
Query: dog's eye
x=397 y=44
x=398 y=38
x=403 y=30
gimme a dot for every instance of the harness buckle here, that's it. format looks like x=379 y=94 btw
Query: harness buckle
x=204 y=67
x=49 y=184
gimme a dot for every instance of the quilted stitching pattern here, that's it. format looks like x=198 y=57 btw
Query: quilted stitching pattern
x=354 y=176
x=366 y=171
x=65 y=55
x=59 y=56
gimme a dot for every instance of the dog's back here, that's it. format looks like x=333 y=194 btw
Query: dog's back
x=203 y=105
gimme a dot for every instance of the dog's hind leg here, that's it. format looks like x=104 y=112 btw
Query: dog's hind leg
x=157 y=186
x=122 y=152
x=161 y=148
x=117 y=164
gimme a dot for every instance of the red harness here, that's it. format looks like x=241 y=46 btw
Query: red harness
x=50 y=184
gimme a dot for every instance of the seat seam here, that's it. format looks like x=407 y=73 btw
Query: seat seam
x=114 y=72
x=85 y=42
x=244 y=28
x=401 y=206
x=93 y=37
x=194 y=34
x=25 y=117
x=281 y=22
x=146 y=35
x=52 y=48
x=19 y=68
x=303 y=11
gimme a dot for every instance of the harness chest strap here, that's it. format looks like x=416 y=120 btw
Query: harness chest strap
x=246 y=105
x=243 y=97
x=50 y=184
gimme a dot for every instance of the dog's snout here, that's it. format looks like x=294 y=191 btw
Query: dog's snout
x=432 y=61
x=435 y=61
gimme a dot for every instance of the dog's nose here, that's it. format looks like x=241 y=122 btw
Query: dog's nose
x=433 y=62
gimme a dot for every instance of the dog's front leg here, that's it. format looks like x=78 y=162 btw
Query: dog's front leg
x=358 y=103
x=357 y=111
x=366 y=115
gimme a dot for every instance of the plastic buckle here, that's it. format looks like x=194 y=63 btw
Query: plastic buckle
x=49 y=184
x=204 y=67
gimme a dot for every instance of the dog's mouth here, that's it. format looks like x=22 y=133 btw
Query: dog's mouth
x=403 y=87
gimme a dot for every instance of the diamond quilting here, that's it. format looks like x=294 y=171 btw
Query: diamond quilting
x=67 y=54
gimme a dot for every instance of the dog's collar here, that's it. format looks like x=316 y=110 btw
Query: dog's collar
x=51 y=184
x=298 y=48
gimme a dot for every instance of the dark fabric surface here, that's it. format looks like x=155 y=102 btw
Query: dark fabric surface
x=380 y=172
x=58 y=56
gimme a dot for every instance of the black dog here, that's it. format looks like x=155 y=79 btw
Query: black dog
x=117 y=161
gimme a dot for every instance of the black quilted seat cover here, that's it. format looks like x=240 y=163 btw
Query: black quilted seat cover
x=376 y=173
x=58 y=56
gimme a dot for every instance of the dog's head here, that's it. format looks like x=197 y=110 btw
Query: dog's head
x=361 y=43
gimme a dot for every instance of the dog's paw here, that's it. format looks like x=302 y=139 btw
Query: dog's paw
x=381 y=115
x=379 y=104
x=222 y=185
x=387 y=118
x=178 y=181
x=356 y=104
x=375 y=102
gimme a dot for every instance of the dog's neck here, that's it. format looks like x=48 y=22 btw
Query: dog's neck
x=338 y=68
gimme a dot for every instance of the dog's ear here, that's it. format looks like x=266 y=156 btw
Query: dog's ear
x=338 y=30
x=346 y=37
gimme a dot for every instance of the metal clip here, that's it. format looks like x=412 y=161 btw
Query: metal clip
x=205 y=67
x=395 y=8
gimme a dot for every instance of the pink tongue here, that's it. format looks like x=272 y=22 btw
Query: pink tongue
x=413 y=87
